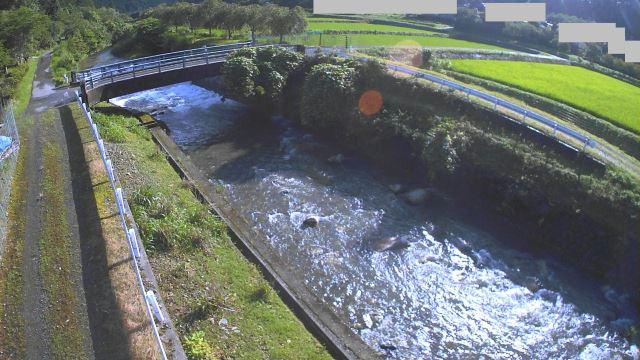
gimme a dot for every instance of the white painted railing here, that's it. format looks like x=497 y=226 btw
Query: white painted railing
x=130 y=230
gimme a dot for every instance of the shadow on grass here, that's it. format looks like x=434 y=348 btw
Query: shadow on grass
x=110 y=339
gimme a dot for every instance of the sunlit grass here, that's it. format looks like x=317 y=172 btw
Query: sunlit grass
x=386 y=40
x=361 y=26
x=587 y=90
x=23 y=89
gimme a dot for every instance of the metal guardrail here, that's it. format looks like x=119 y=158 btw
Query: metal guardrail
x=125 y=70
x=606 y=152
x=130 y=230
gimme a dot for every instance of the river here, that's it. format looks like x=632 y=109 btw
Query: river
x=456 y=292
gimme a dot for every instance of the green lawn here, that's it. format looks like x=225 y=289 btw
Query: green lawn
x=387 y=40
x=601 y=95
x=361 y=26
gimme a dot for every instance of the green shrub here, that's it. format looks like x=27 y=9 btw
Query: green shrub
x=328 y=96
x=259 y=75
x=197 y=348
x=166 y=222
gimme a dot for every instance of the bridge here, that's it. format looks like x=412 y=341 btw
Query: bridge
x=106 y=82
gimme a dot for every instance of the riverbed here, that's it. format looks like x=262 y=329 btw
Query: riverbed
x=455 y=292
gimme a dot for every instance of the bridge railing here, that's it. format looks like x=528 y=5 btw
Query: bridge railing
x=108 y=72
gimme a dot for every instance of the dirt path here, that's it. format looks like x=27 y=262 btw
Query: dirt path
x=39 y=310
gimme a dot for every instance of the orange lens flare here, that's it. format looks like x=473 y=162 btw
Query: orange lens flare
x=370 y=102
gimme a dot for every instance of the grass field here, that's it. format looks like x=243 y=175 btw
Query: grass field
x=361 y=26
x=601 y=95
x=386 y=40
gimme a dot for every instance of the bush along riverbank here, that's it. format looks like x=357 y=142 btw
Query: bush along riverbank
x=554 y=201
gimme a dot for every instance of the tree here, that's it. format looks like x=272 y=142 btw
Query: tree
x=468 y=19
x=24 y=30
x=283 y=21
x=5 y=58
x=256 y=18
x=259 y=75
x=238 y=74
x=185 y=13
x=232 y=18
x=209 y=14
x=328 y=96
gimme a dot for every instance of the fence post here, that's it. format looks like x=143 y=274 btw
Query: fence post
x=153 y=302
x=134 y=243
x=119 y=201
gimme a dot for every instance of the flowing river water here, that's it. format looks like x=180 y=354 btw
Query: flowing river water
x=456 y=292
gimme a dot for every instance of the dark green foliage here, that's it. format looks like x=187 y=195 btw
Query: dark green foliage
x=29 y=27
x=328 y=96
x=260 y=74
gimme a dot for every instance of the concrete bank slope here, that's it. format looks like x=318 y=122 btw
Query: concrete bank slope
x=341 y=342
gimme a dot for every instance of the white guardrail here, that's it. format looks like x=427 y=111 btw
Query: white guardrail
x=130 y=230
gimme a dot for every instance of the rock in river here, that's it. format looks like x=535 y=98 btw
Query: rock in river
x=417 y=196
x=391 y=243
x=311 y=221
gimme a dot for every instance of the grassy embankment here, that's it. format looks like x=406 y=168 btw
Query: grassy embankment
x=218 y=300
x=583 y=89
x=385 y=35
x=11 y=281
x=22 y=94
x=67 y=334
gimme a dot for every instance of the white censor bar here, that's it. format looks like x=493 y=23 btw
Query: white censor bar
x=385 y=7
x=504 y=12
x=586 y=32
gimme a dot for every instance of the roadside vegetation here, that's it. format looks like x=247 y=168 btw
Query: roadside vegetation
x=220 y=303
x=583 y=89
x=11 y=281
x=465 y=150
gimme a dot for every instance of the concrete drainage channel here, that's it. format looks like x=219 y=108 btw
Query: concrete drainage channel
x=147 y=284
x=337 y=337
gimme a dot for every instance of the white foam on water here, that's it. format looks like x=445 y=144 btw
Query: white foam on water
x=179 y=98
